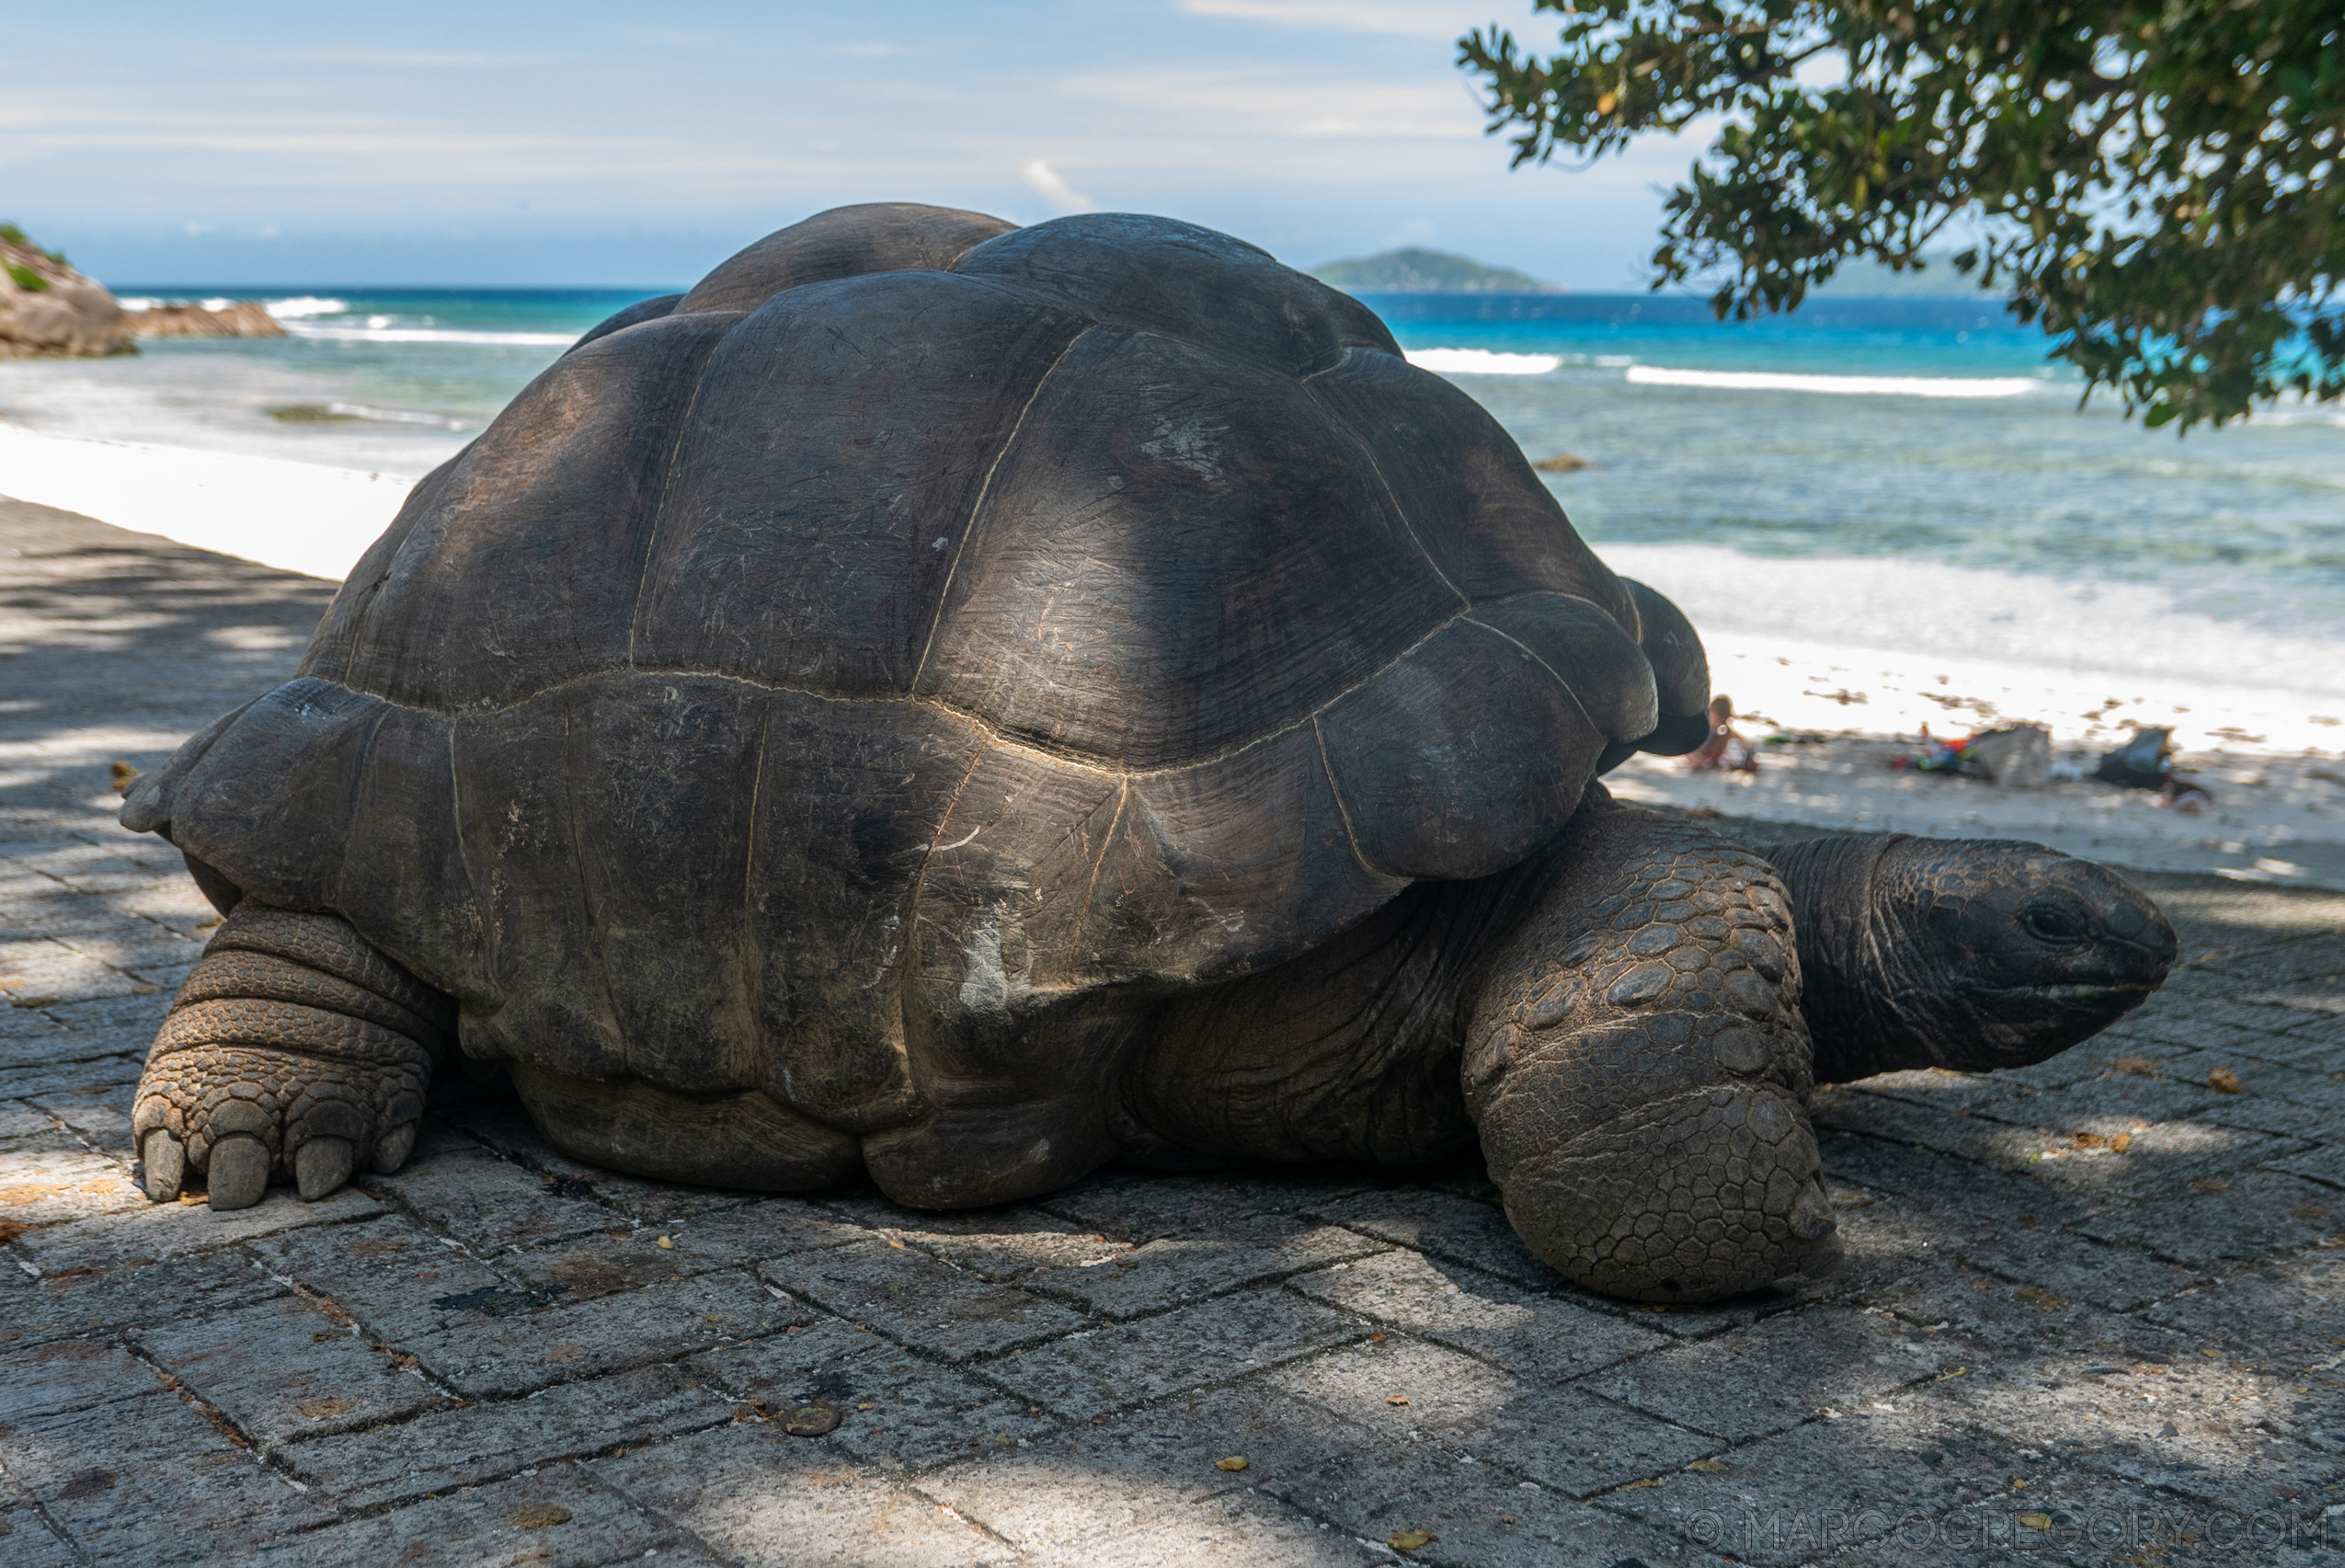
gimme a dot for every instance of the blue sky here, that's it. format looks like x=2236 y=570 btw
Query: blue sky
x=595 y=143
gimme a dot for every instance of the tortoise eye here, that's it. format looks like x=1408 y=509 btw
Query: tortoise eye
x=2055 y=926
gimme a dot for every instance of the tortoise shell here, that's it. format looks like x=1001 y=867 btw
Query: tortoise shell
x=919 y=624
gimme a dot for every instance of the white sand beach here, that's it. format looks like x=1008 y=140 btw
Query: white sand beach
x=1849 y=658
x=303 y=516
x=2259 y=718
x=2275 y=819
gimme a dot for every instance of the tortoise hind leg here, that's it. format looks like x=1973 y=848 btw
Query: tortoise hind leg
x=1347 y=1052
x=1639 y=1070
x=745 y=1139
x=293 y=1047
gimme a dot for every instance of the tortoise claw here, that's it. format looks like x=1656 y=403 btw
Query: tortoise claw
x=166 y=1166
x=321 y=1165
x=239 y=1173
x=391 y=1151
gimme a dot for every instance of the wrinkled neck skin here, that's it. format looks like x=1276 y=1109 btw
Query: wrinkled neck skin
x=1970 y=954
x=1856 y=987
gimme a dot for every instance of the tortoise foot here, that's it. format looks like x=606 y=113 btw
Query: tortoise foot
x=295 y=1049
x=745 y=1140
x=1693 y=1199
x=967 y=1157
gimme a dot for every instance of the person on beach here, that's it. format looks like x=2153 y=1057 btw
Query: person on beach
x=1725 y=750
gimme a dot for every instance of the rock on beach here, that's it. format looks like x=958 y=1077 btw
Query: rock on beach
x=48 y=310
x=226 y=318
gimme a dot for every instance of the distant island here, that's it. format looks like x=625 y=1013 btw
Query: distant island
x=1415 y=270
x=1868 y=279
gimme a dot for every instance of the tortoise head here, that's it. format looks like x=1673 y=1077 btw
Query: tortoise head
x=1969 y=954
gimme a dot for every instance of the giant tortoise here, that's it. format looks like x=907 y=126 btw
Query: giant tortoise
x=963 y=704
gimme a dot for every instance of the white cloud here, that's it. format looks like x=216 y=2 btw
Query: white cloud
x=1055 y=191
x=280 y=152
x=423 y=59
x=1265 y=100
x=674 y=37
x=326 y=141
x=1406 y=18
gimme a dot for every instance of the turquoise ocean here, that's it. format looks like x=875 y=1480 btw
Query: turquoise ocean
x=1917 y=430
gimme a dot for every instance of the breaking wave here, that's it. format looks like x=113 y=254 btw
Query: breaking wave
x=1860 y=386
x=371 y=334
x=1482 y=361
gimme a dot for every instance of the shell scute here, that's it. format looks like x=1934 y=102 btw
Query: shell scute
x=1214 y=866
x=1470 y=497
x=518 y=568
x=1459 y=759
x=838 y=443
x=843 y=242
x=706 y=884
x=1186 y=282
x=1587 y=652
x=1001 y=898
x=1179 y=555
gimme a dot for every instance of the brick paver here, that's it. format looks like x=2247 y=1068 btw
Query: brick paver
x=2045 y=1347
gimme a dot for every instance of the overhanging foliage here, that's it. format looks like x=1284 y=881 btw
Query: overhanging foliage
x=2158 y=184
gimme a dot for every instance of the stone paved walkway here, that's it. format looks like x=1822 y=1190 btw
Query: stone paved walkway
x=2094 y=1311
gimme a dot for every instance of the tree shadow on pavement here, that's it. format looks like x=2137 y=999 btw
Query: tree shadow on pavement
x=116 y=645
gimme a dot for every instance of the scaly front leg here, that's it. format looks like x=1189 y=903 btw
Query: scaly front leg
x=1637 y=1066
